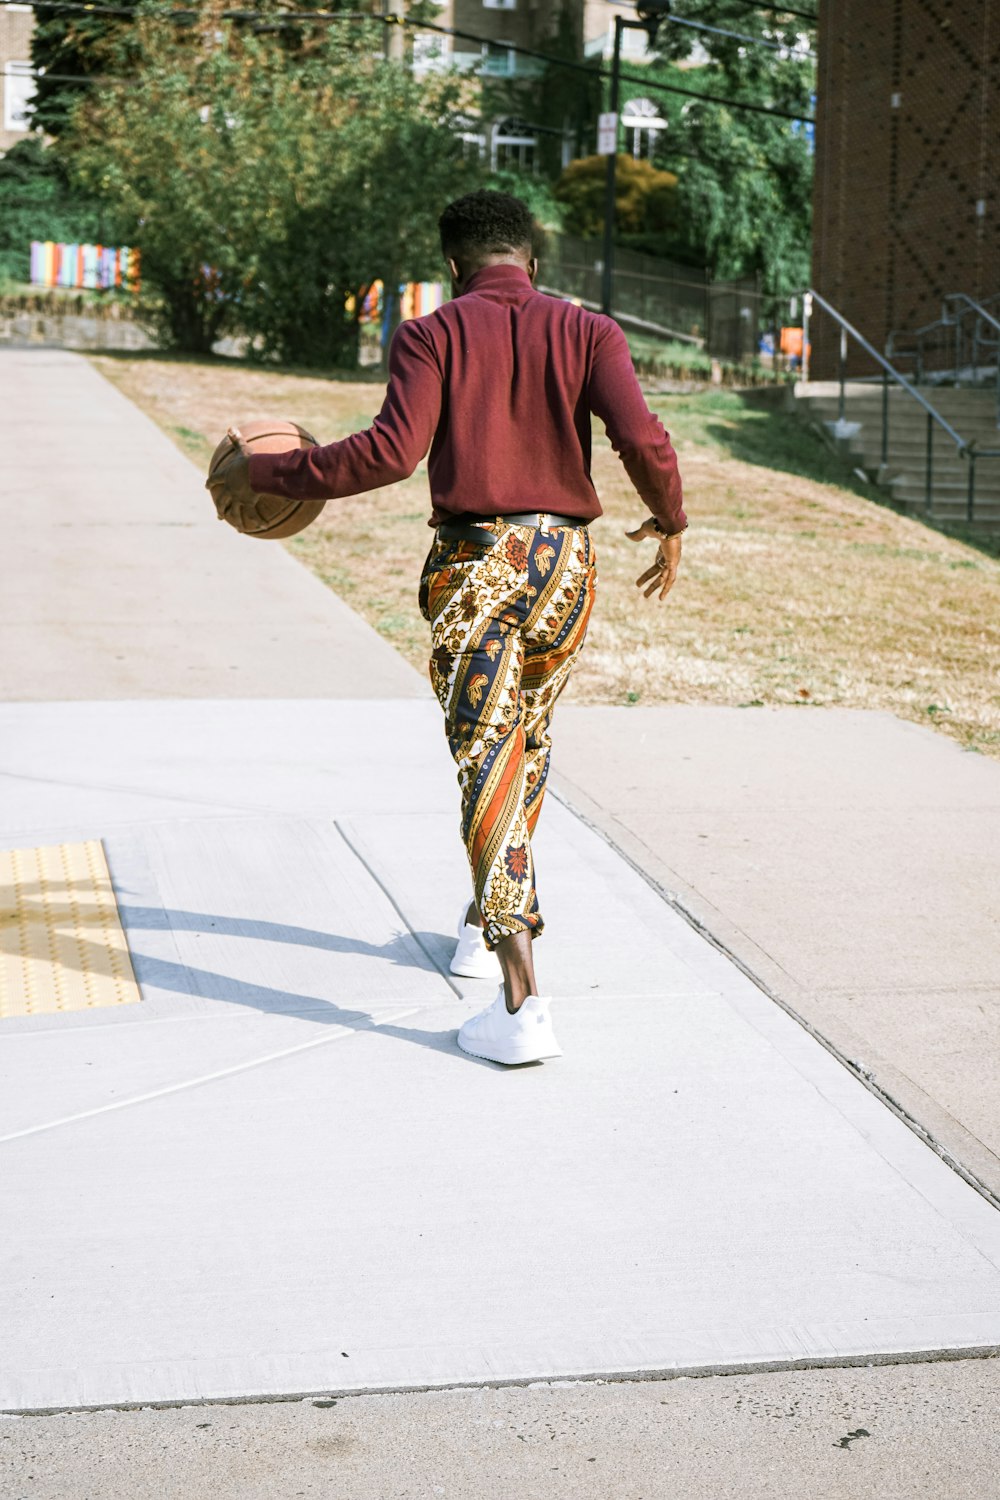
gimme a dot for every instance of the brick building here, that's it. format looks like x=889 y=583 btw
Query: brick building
x=906 y=191
x=16 y=25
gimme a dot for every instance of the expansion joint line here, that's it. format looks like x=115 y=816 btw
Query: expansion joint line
x=855 y=1068
x=191 y=1083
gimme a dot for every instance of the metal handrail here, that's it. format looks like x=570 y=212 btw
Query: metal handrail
x=966 y=450
x=971 y=305
x=956 y=321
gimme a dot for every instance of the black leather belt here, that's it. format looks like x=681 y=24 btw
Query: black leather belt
x=468 y=531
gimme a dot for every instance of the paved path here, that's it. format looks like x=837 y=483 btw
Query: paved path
x=277 y=1174
x=904 y=1432
x=102 y=596
x=849 y=860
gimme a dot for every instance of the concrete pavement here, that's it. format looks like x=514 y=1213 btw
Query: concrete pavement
x=849 y=861
x=101 y=595
x=900 y=1432
x=276 y=1175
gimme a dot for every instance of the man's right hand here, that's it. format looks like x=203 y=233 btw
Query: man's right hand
x=229 y=483
x=662 y=575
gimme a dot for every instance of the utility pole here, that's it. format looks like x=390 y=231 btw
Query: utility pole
x=395 y=31
x=649 y=14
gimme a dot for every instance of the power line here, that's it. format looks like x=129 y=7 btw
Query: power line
x=739 y=36
x=779 y=10
x=652 y=85
x=670 y=19
x=322 y=17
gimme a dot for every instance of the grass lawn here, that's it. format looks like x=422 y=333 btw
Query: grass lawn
x=795 y=589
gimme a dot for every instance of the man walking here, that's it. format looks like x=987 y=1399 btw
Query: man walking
x=499 y=384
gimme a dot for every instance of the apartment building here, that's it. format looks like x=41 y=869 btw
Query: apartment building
x=16 y=86
x=491 y=32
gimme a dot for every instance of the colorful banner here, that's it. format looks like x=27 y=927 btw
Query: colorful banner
x=84 y=267
x=417 y=299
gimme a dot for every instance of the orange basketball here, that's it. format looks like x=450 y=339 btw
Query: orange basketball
x=269 y=516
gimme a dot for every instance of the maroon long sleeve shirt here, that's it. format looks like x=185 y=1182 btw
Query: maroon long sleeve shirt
x=499 y=385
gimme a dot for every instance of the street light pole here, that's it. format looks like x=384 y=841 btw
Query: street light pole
x=649 y=14
x=607 y=266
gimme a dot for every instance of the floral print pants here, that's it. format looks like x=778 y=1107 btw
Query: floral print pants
x=507 y=623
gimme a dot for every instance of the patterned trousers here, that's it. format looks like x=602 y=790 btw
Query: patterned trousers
x=507 y=623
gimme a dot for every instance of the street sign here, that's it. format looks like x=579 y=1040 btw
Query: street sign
x=607 y=134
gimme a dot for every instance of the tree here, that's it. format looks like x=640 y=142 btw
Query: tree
x=534 y=190
x=265 y=184
x=744 y=179
x=744 y=197
x=645 y=198
x=762 y=55
x=567 y=101
x=37 y=203
x=69 y=48
x=73 y=48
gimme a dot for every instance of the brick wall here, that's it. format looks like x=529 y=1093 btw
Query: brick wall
x=905 y=201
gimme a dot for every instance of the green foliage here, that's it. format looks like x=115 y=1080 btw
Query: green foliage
x=37 y=203
x=70 y=45
x=645 y=198
x=744 y=179
x=264 y=184
x=534 y=190
x=566 y=98
x=764 y=59
x=745 y=198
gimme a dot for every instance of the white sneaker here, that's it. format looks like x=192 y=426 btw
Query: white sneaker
x=526 y=1036
x=472 y=959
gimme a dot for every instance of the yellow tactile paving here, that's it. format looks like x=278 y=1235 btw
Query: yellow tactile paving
x=61 y=942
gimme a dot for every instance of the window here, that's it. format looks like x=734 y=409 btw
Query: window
x=498 y=60
x=429 y=52
x=512 y=146
x=642 y=124
x=635 y=42
x=471 y=134
x=473 y=145
x=18 y=90
x=500 y=4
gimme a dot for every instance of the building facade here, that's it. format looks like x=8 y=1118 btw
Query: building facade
x=514 y=122
x=16 y=87
x=905 y=205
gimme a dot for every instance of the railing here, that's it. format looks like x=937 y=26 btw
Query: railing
x=966 y=450
x=965 y=331
x=665 y=298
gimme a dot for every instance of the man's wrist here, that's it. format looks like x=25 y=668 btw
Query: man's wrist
x=662 y=531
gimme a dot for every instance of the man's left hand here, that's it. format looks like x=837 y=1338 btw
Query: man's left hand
x=229 y=483
x=663 y=574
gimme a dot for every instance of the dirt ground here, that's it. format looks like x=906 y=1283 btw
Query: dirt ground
x=794 y=588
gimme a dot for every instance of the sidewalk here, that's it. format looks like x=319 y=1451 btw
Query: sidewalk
x=848 y=861
x=277 y=1174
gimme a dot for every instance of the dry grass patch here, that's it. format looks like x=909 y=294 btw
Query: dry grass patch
x=794 y=589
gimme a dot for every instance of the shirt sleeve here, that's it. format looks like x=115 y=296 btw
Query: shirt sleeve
x=637 y=436
x=388 y=450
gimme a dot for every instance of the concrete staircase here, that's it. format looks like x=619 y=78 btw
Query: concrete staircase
x=971 y=412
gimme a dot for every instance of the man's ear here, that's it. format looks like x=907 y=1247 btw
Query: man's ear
x=532 y=269
x=453 y=267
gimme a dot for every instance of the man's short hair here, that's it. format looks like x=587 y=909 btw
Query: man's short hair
x=486 y=223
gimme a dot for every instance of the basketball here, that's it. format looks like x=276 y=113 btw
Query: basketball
x=271 y=516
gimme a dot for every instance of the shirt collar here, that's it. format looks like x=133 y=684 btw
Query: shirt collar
x=499 y=283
